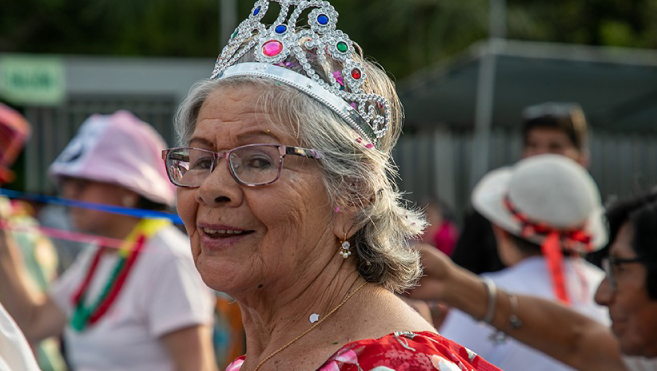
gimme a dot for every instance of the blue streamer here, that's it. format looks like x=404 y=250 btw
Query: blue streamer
x=139 y=213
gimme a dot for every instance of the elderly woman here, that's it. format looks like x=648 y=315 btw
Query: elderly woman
x=138 y=305
x=284 y=186
x=629 y=292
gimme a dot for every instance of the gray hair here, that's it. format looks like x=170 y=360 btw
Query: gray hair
x=354 y=176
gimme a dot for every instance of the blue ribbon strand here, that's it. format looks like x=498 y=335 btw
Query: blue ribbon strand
x=139 y=213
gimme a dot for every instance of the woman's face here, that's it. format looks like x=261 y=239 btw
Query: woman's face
x=89 y=220
x=633 y=314
x=250 y=238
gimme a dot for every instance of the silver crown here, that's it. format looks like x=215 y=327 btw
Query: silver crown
x=281 y=46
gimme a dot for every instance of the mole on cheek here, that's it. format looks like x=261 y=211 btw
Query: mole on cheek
x=260 y=286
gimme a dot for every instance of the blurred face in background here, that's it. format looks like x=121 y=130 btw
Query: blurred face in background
x=544 y=140
x=632 y=312
x=89 y=220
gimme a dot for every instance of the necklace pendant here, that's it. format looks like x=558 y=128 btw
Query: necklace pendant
x=314 y=318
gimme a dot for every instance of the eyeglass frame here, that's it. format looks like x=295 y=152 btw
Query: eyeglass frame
x=609 y=261
x=283 y=150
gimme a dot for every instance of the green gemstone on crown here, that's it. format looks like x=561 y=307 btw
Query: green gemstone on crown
x=342 y=47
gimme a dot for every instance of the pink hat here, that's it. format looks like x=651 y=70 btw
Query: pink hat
x=118 y=149
x=14 y=132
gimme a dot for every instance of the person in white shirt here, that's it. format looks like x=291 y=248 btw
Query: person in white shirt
x=545 y=213
x=629 y=291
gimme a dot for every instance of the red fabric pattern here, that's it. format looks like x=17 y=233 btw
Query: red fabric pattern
x=401 y=352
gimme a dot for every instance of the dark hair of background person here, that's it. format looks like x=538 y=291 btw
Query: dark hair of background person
x=525 y=246
x=568 y=117
x=476 y=248
x=641 y=213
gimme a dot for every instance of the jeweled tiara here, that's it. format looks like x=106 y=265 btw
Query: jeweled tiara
x=283 y=45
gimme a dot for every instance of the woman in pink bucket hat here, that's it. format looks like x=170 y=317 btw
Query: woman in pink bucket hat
x=140 y=305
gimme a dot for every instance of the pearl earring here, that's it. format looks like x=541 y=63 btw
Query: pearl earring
x=344 y=247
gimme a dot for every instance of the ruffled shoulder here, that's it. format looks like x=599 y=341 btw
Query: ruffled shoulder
x=406 y=351
x=401 y=351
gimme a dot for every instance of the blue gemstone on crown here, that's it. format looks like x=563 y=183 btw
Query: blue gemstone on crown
x=257 y=11
x=323 y=19
x=281 y=28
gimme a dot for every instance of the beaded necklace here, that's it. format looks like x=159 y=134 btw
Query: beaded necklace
x=84 y=315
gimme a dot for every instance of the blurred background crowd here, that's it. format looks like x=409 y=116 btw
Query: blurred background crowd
x=464 y=71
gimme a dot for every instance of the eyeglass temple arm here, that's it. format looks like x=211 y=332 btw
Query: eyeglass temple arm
x=310 y=153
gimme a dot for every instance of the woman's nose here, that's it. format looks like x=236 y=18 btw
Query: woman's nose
x=219 y=188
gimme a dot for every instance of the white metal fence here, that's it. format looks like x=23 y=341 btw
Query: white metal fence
x=437 y=163
x=434 y=162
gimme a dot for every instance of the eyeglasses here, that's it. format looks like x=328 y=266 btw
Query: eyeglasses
x=610 y=266
x=250 y=165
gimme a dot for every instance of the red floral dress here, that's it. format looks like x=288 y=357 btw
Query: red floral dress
x=401 y=351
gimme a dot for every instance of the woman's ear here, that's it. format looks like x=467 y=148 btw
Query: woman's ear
x=344 y=222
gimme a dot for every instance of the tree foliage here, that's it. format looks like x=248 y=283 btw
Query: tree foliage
x=404 y=35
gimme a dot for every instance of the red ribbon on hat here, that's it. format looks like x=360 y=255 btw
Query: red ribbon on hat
x=552 y=245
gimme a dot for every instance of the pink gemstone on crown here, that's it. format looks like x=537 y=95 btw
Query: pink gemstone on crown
x=272 y=48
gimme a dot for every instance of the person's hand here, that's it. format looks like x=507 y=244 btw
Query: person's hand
x=438 y=270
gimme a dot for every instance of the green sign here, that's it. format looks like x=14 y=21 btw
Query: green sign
x=32 y=80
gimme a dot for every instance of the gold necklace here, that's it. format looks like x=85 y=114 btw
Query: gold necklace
x=311 y=327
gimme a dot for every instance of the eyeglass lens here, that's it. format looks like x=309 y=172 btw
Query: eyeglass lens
x=250 y=165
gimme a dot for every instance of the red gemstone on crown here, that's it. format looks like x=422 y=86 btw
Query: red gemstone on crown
x=355 y=73
x=272 y=48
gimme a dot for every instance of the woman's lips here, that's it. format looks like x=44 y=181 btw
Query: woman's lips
x=220 y=236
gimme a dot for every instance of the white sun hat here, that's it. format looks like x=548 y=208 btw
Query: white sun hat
x=551 y=190
x=549 y=200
